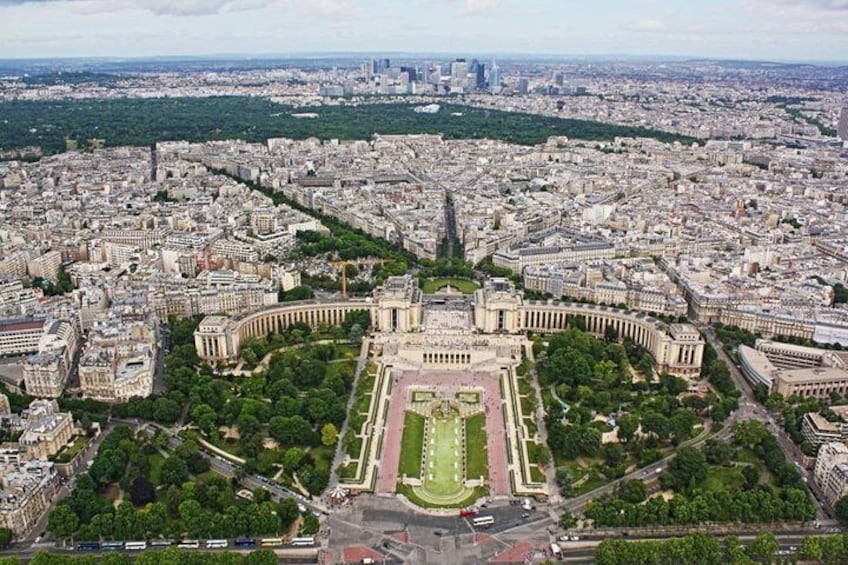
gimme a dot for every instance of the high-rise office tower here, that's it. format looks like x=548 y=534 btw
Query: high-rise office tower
x=842 y=126
x=523 y=85
x=480 y=76
x=459 y=69
x=494 y=77
x=411 y=71
x=459 y=75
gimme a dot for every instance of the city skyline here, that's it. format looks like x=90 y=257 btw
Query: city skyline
x=778 y=30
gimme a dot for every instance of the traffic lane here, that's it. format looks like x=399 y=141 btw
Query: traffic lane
x=508 y=518
x=448 y=525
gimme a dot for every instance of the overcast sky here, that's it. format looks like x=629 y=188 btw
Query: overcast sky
x=749 y=29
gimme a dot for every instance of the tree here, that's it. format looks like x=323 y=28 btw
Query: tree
x=565 y=480
x=165 y=410
x=686 y=470
x=195 y=519
x=174 y=471
x=309 y=525
x=287 y=511
x=717 y=452
x=62 y=521
x=142 y=491
x=764 y=547
x=811 y=549
x=5 y=538
x=115 y=559
x=632 y=491
x=294 y=430
x=841 y=510
x=261 y=557
x=567 y=520
x=749 y=433
x=627 y=426
x=329 y=435
x=293 y=458
x=734 y=552
x=752 y=476
x=356 y=334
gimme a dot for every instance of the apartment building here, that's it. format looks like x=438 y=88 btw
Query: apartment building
x=46 y=430
x=831 y=471
x=26 y=490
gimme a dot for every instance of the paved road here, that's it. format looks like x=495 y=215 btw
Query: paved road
x=757 y=412
x=340 y=449
x=228 y=469
x=583 y=551
x=578 y=503
x=748 y=408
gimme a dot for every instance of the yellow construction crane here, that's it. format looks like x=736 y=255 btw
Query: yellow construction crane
x=342 y=264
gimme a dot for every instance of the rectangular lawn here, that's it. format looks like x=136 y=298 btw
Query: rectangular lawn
x=444 y=457
x=412 y=444
x=477 y=457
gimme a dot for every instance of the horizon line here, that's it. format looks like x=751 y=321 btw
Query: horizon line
x=318 y=55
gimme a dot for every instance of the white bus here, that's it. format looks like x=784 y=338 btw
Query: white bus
x=161 y=543
x=300 y=542
x=135 y=545
x=271 y=542
x=216 y=543
x=556 y=550
x=189 y=544
x=483 y=521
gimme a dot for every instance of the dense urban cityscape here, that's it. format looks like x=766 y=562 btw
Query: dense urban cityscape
x=422 y=308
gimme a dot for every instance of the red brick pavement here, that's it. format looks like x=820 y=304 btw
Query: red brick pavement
x=449 y=382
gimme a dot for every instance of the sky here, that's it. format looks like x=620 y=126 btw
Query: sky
x=778 y=30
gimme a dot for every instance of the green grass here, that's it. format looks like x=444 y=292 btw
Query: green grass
x=334 y=368
x=536 y=475
x=412 y=445
x=724 y=479
x=747 y=456
x=524 y=387
x=477 y=459
x=443 y=460
x=462 y=285
x=354 y=447
x=528 y=405
x=68 y=453
x=423 y=396
x=363 y=403
x=534 y=451
x=348 y=471
x=366 y=383
x=473 y=495
x=156 y=462
x=595 y=480
x=531 y=426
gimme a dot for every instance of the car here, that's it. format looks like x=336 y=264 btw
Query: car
x=525 y=515
x=574 y=538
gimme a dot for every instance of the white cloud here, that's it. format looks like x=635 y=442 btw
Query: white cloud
x=825 y=5
x=799 y=16
x=480 y=6
x=646 y=25
x=331 y=9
